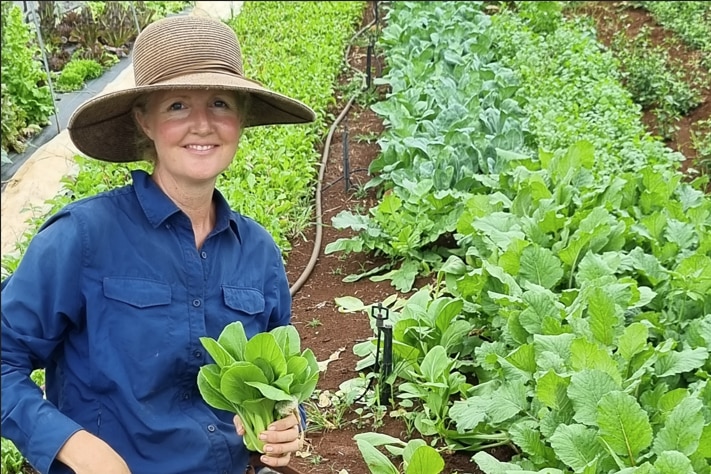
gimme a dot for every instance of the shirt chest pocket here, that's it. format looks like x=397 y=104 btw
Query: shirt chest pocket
x=138 y=316
x=245 y=305
x=137 y=292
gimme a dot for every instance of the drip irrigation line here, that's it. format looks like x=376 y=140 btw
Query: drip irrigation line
x=319 y=221
x=337 y=180
x=319 y=185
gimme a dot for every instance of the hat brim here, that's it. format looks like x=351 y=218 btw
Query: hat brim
x=104 y=128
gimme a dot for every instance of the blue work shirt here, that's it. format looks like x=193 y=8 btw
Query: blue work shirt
x=111 y=297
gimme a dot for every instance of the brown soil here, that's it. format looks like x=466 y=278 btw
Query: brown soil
x=329 y=332
x=612 y=17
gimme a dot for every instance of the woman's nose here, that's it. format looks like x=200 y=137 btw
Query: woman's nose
x=201 y=120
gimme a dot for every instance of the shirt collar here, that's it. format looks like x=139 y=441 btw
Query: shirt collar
x=158 y=207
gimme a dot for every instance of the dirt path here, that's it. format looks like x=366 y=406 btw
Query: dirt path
x=321 y=326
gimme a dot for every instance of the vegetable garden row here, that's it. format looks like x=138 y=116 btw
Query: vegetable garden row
x=663 y=51
x=569 y=309
x=572 y=314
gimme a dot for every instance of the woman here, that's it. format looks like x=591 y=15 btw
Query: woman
x=115 y=290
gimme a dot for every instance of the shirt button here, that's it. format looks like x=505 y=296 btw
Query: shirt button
x=211 y=428
x=167 y=226
x=196 y=303
x=186 y=396
x=197 y=354
x=203 y=254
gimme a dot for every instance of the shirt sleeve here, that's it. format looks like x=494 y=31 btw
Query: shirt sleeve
x=41 y=300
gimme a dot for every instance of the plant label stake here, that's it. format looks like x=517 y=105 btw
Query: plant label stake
x=381 y=314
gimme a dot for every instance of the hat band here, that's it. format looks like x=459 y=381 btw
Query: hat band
x=169 y=74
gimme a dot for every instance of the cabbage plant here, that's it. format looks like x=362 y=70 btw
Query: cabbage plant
x=261 y=379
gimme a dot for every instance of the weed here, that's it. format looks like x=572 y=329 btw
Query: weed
x=368 y=97
x=352 y=87
x=314 y=323
x=371 y=416
x=360 y=192
x=327 y=412
x=701 y=141
x=701 y=164
x=404 y=412
x=369 y=137
x=359 y=209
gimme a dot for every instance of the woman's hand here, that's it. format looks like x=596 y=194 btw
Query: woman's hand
x=281 y=438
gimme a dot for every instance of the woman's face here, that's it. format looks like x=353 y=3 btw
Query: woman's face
x=195 y=132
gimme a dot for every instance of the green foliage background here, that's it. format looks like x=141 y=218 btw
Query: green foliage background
x=26 y=98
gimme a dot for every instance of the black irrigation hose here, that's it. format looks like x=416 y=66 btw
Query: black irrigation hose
x=319 y=221
x=324 y=159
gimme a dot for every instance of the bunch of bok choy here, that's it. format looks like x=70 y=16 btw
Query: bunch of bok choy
x=261 y=379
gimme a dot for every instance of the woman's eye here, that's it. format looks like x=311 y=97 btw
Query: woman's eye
x=220 y=103
x=175 y=106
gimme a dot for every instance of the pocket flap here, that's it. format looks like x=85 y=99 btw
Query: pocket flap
x=138 y=292
x=246 y=300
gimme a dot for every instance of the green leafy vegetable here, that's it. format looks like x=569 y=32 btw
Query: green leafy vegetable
x=417 y=456
x=261 y=379
x=624 y=426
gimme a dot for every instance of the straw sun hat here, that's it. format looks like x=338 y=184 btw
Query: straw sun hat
x=182 y=52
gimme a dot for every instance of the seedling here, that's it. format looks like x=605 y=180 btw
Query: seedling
x=369 y=137
x=314 y=323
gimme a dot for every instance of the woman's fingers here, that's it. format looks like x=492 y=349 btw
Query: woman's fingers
x=238 y=425
x=284 y=423
x=280 y=440
x=276 y=461
x=281 y=437
x=279 y=444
